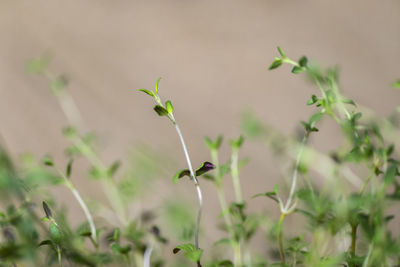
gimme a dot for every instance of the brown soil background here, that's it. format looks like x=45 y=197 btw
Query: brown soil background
x=213 y=57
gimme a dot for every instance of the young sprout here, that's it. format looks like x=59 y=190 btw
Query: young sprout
x=66 y=177
x=54 y=231
x=166 y=110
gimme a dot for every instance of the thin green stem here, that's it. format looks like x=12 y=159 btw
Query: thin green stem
x=59 y=256
x=224 y=208
x=83 y=205
x=108 y=185
x=294 y=177
x=280 y=243
x=235 y=175
x=74 y=117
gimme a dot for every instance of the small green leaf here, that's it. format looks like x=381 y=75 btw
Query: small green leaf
x=69 y=168
x=150 y=93
x=271 y=195
x=169 y=107
x=222 y=241
x=390 y=175
x=113 y=168
x=156 y=87
x=275 y=64
x=38 y=65
x=48 y=161
x=70 y=132
x=47 y=210
x=160 y=110
x=315 y=118
x=281 y=52
x=47 y=242
x=297 y=70
x=191 y=253
x=303 y=61
x=116 y=235
x=312 y=100
x=237 y=143
x=180 y=174
x=97 y=173
x=396 y=84
x=59 y=83
x=55 y=233
x=209 y=142
x=349 y=101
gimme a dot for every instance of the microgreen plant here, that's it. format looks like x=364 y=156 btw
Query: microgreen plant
x=341 y=201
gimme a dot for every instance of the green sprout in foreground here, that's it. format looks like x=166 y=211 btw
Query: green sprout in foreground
x=193 y=253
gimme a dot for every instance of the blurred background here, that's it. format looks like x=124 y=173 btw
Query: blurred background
x=213 y=57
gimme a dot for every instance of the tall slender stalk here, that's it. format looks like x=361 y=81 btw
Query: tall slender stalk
x=71 y=186
x=74 y=117
x=280 y=242
x=235 y=174
x=195 y=180
x=224 y=208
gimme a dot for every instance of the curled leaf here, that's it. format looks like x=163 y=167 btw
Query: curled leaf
x=150 y=93
x=181 y=174
x=205 y=167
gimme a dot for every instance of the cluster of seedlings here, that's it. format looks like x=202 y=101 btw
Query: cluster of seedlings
x=345 y=220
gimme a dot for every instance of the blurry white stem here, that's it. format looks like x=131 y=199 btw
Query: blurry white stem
x=83 y=206
x=288 y=208
x=147 y=255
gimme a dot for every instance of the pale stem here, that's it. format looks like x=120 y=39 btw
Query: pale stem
x=235 y=175
x=147 y=255
x=82 y=203
x=294 y=178
x=196 y=183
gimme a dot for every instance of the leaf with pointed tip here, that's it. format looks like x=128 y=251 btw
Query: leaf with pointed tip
x=281 y=52
x=297 y=70
x=150 y=93
x=271 y=195
x=156 y=87
x=160 y=110
x=46 y=242
x=237 y=143
x=349 y=101
x=205 y=167
x=180 y=174
x=315 y=118
x=209 y=142
x=113 y=168
x=276 y=63
x=86 y=234
x=47 y=210
x=169 y=107
x=69 y=168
